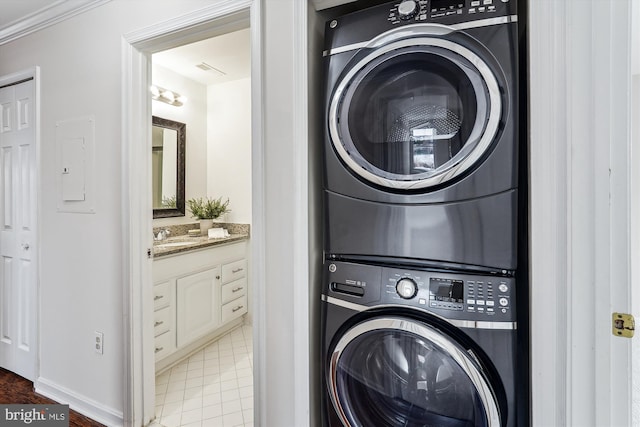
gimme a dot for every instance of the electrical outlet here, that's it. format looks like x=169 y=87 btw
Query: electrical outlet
x=99 y=342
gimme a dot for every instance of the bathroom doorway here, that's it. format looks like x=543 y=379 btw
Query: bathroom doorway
x=206 y=378
x=138 y=48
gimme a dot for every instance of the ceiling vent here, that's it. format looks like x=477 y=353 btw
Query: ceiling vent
x=206 y=67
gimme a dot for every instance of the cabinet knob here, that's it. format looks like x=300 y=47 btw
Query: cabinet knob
x=218 y=277
x=158 y=323
x=157 y=297
x=237 y=289
x=159 y=349
x=237 y=308
x=237 y=270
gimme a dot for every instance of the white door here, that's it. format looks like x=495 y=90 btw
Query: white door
x=18 y=305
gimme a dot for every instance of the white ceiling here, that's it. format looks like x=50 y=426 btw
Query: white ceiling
x=229 y=53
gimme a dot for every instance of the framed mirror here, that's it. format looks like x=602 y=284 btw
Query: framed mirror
x=168 y=165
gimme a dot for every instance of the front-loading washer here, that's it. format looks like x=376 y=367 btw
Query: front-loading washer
x=421 y=138
x=412 y=348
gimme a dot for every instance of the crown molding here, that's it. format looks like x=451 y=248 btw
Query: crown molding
x=57 y=12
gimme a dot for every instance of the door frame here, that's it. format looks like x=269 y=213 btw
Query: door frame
x=137 y=47
x=33 y=73
x=579 y=145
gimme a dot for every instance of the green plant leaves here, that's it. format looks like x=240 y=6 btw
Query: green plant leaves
x=208 y=208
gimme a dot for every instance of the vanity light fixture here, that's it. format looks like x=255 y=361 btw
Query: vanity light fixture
x=167 y=96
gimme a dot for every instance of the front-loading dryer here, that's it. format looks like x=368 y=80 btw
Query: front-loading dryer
x=413 y=348
x=421 y=136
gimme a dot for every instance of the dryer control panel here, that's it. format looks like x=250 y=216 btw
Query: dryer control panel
x=451 y=295
x=448 y=11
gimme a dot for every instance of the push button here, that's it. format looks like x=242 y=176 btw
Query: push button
x=504 y=302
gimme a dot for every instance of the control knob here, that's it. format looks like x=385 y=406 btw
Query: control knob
x=408 y=9
x=406 y=288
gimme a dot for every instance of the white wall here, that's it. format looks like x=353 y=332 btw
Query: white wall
x=229 y=146
x=194 y=114
x=81 y=267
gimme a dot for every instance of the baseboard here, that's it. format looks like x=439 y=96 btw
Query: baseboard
x=79 y=403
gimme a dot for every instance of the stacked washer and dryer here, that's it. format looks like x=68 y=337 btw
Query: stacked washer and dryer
x=421 y=216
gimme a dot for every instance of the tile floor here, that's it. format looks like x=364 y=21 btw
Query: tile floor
x=213 y=388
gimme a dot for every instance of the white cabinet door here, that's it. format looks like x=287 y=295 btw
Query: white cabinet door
x=197 y=305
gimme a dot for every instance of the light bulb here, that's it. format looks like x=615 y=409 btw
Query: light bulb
x=168 y=95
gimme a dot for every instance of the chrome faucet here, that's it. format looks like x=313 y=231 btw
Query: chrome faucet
x=162 y=234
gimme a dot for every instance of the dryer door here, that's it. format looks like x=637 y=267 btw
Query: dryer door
x=414 y=113
x=398 y=372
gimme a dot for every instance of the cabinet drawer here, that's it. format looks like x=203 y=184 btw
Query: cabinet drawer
x=234 y=309
x=162 y=321
x=161 y=297
x=234 y=270
x=234 y=290
x=163 y=345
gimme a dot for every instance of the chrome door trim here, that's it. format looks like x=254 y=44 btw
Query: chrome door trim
x=470 y=324
x=466 y=159
x=444 y=343
x=422 y=29
x=486 y=22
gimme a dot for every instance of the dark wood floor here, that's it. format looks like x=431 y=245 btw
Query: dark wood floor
x=15 y=389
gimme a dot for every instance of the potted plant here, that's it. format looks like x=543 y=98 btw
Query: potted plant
x=206 y=210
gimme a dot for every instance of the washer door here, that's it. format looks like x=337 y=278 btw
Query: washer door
x=398 y=372
x=414 y=113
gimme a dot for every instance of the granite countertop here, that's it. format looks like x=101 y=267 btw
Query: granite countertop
x=180 y=242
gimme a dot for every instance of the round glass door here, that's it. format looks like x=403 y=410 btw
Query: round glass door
x=415 y=113
x=397 y=372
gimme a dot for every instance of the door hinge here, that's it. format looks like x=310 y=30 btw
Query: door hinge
x=623 y=325
x=149 y=253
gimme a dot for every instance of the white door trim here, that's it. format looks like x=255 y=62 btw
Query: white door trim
x=10 y=79
x=548 y=159
x=303 y=334
x=225 y=16
x=579 y=142
x=634 y=190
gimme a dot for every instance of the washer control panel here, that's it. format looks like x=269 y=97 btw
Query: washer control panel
x=451 y=295
x=473 y=297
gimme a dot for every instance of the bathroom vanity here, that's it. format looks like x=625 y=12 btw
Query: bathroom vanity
x=200 y=293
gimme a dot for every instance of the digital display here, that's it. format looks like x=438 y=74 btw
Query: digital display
x=447 y=290
x=446 y=4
